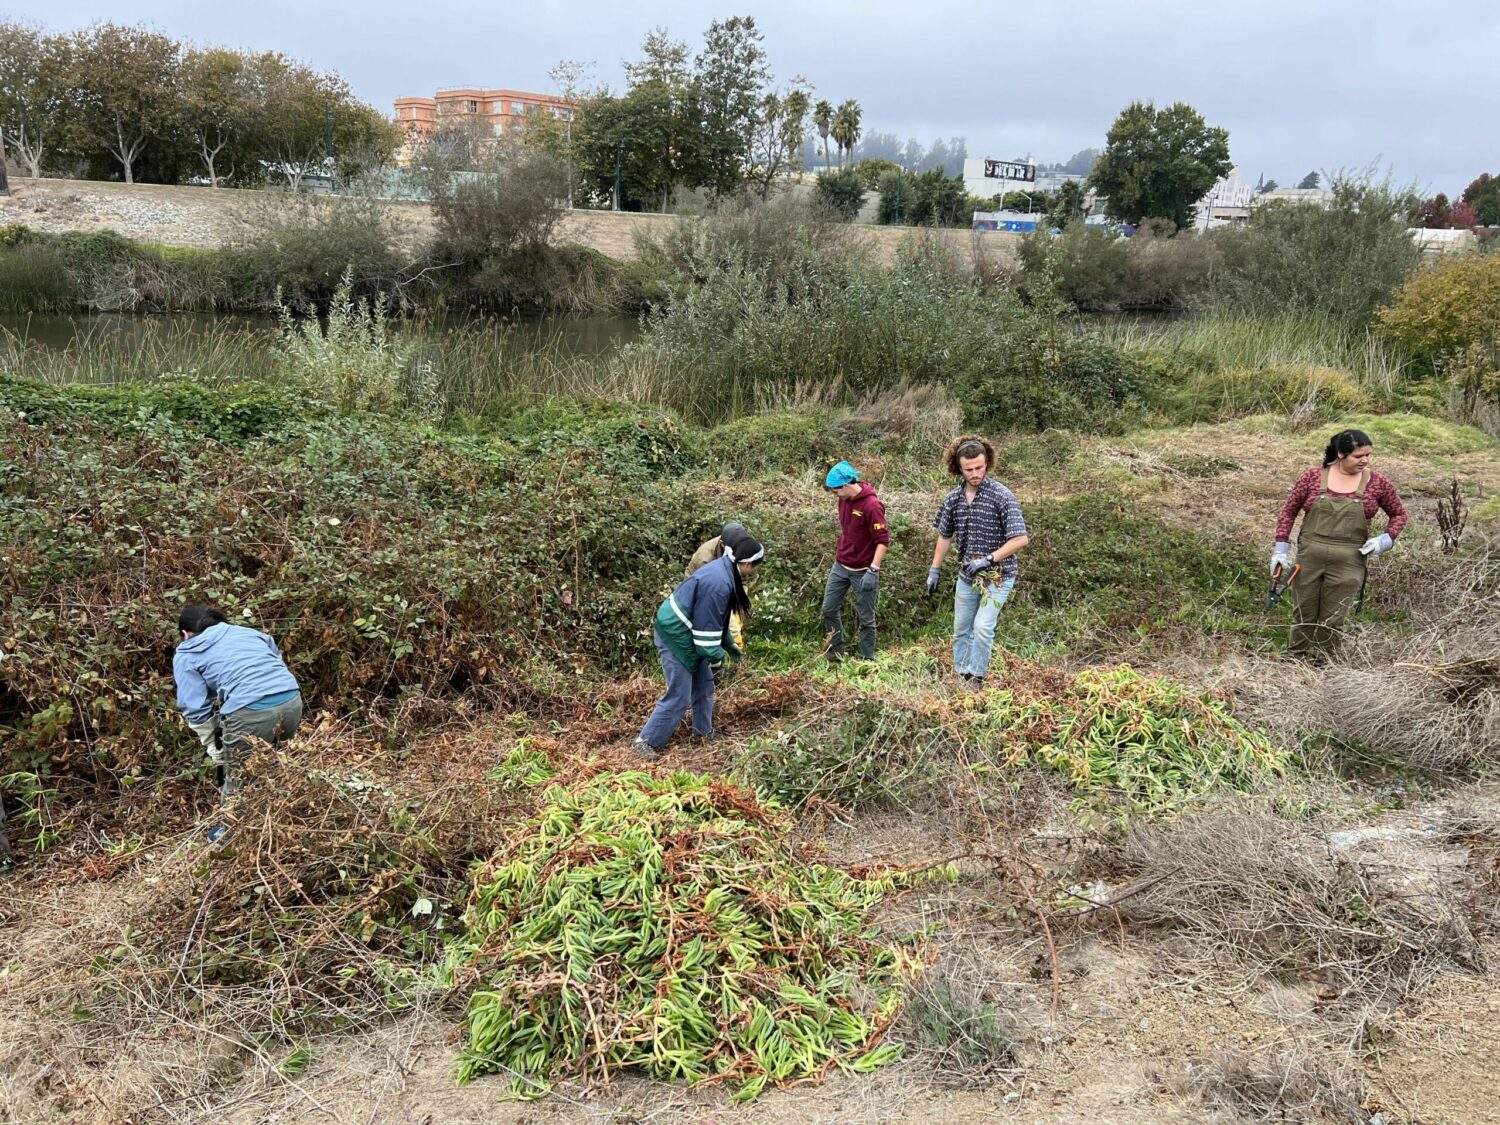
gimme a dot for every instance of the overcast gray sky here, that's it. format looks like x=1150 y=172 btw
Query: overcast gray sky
x=1300 y=84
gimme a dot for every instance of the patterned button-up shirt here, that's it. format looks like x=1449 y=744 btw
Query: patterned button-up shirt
x=981 y=526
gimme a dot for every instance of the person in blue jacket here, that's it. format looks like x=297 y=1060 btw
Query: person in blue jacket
x=693 y=636
x=242 y=671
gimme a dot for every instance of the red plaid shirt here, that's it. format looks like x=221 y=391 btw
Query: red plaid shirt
x=1380 y=495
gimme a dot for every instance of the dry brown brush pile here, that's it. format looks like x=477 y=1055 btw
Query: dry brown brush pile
x=1252 y=893
x=335 y=884
x=1290 y=1083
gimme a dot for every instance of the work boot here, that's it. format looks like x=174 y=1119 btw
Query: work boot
x=713 y=736
x=645 y=750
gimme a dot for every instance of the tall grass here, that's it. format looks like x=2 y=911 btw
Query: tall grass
x=1239 y=340
x=215 y=350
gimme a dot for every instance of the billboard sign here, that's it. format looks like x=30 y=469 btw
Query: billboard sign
x=1010 y=170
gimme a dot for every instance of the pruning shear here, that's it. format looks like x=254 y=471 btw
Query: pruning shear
x=1281 y=582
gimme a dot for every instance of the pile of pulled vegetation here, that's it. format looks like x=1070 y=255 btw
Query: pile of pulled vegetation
x=1123 y=742
x=671 y=924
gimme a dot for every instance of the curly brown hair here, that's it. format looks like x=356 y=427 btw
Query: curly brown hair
x=967 y=443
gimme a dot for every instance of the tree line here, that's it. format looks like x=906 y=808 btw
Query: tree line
x=1479 y=205
x=712 y=119
x=130 y=103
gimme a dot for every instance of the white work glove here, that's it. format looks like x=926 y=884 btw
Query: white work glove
x=1377 y=546
x=206 y=732
x=1281 y=556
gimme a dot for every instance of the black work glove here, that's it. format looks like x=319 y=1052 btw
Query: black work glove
x=975 y=567
x=871 y=581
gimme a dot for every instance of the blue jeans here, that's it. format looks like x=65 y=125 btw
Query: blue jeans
x=684 y=688
x=976 y=609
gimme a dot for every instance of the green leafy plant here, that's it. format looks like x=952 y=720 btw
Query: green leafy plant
x=354 y=361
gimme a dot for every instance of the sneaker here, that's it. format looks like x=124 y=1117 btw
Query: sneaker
x=976 y=683
x=835 y=657
x=712 y=736
x=645 y=750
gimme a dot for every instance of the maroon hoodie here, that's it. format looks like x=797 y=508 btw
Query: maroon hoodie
x=862 y=528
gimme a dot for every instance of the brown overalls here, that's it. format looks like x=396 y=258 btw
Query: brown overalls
x=1333 y=570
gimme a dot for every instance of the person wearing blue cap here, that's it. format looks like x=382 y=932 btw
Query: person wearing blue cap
x=863 y=540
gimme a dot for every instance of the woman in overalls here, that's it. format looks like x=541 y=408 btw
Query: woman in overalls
x=1337 y=502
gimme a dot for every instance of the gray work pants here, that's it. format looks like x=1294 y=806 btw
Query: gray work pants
x=840 y=578
x=240 y=730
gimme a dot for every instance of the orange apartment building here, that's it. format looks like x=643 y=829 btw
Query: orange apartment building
x=505 y=111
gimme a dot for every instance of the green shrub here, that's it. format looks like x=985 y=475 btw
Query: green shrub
x=352 y=360
x=782 y=441
x=748 y=332
x=298 y=248
x=623 y=439
x=1044 y=379
x=870 y=171
x=1086 y=266
x=929 y=198
x=843 y=193
x=1344 y=262
x=1170 y=273
x=1446 y=307
x=571 y=278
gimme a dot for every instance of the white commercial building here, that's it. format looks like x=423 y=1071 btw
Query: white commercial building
x=1008 y=176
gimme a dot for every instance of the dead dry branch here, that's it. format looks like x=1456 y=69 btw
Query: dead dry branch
x=1253 y=895
x=1276 y=1084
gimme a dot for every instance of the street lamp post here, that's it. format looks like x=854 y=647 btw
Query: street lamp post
x=328 y=144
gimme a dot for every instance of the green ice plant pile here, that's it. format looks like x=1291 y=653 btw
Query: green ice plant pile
x=669 y=924
x=1147 y=743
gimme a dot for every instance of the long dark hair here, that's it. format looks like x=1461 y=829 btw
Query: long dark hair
x=1344 y=443
x=742 y=547
x=196 y=618
x=739 y=598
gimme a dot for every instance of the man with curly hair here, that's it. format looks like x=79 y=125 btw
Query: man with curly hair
x=984 y=519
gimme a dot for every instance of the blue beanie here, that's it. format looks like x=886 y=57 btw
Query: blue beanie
x=841 y=474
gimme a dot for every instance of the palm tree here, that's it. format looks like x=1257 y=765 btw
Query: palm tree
x=822 y=117
x=846 y=128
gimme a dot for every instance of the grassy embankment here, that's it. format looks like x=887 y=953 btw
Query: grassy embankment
x=461 y=576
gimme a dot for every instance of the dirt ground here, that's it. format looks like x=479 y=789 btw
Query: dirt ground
x=170 y=215
x=1130 y=1031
